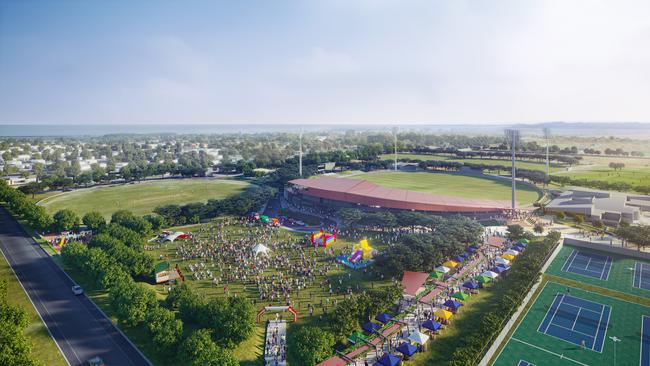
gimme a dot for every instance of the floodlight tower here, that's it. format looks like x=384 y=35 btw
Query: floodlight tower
x=547 y=137
x=300 y=155
x=512 y=136
x=395 y=144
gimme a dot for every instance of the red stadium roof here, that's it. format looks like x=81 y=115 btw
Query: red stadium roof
x=369 y=194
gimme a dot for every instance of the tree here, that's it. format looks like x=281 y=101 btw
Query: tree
x=310 y=345
x=560 y=215
x=598 y=224
x=579 y=219
x=515 y=232
x=157 y=222
x=165 y=329
x=232 y=320
x=199 y=350
x=15 y=349
x=94 y=221
x=65 y=220
x=538 y=228
x=128 y=219
x=131 y=302
x=31 y=188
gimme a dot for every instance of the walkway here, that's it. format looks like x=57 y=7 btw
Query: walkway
x=275 y=350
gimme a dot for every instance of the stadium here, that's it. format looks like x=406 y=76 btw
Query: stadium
x=332 y=192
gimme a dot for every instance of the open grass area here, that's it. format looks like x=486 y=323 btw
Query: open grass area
x=141 y=198
x=43 y=346
x=633 y=176
x=448 y=184
x=503 y=162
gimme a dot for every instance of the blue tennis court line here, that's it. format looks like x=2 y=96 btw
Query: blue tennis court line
x=644 y=359
x=605 y=262
x=576 y=334
x=525 y=363
x=641 y=281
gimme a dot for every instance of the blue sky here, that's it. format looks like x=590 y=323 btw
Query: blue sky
x=333 y=61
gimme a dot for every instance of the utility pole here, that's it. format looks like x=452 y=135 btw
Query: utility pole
x=395 y=143
x=547 y=136
x=300 y=155
x=512 y=136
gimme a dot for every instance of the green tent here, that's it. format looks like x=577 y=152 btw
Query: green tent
x=357 y=337
x=482 y=279
x=525 y=241
x=264 y=219
x=460 y=296
x=437 y=275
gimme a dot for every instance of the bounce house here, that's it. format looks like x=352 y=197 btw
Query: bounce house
x=361 y=257
x=323 y=239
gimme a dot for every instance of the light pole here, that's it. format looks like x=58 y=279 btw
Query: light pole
x=615 y=340
x=395 y=146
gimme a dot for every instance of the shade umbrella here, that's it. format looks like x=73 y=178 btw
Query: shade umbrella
x=482 y=279
x=407 y=349
x=389 y=360
x=452 y=304
x=460 y=296
x=437 y=275
x=508 y=257
x=418 y=337
x=458 y=258
x=450 y=264
x=431 y=325
x=383 y=318
x=369 y=327
x=442 y=269
x=490 y=274
x=443 y=314
x=502 y=261
x=497 y=269
x=470 y=285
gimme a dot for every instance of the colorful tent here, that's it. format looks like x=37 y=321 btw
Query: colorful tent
x=418 y=337
x=443 y=314
x=260 y=249
x=389 y=360
x=357 y=337
x=508 y=257
x=470 y=285
x=490 y=274
x=472 y=249
x=407 y=349
x=460 y=296
x=524 y=241
x=450 y=264
x=370 y=327
x=437 y=275
x=431 y=325
x=517 y=248
x=504 y=266
x=452 y=304
x=482 y=279
x=458 y=258
x=512 y=252
x=442 y=269
x=502 y=261
x=497 y=269
x=383 y=318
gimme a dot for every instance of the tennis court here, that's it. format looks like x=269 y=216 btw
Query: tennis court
x=641 y=276
x=645 y=341
x=525 y=363
x=588 y=264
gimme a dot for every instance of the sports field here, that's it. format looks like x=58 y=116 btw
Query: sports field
x=503 y=162
x=571 y=326
x=141 y=198
x=452 y=185
x=634 y=176
x=602 y=269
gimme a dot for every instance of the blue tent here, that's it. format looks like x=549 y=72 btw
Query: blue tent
x=465 y=255
x=470 y=285
x=498 y=269
x=383 y=318
x=452 y=304
x=458 y=258
x=517 y=248
x=407 y=349
x=472 y=250
x=389 y=360
x=504 y=266
x=369 y=327
x=431 y=325
x=521 y=244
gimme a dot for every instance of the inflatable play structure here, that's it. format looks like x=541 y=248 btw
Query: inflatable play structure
x=275 y=309
x=264 y=219
x=323 y=239
x=362 y=256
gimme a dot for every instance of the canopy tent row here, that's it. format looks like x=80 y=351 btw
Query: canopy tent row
x=442 y=269
x=418 y=337
x=431 y=325
x=443 y=314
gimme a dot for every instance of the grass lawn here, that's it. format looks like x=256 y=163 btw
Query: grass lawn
x=452 y=185
x=633 y=176
x=141 y=198
x=503 y=162
x=43 y=346
x=528 y=344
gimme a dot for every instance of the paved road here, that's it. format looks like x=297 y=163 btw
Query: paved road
x=78 y=327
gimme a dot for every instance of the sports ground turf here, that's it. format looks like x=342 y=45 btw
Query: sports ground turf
x=562 y=318
x=570 y=263
x=141 y=198
x=452 y=185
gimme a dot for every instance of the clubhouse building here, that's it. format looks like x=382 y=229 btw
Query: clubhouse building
x=610 y=207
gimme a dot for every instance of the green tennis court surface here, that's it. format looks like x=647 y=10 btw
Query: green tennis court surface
x=603 y=269
x=625 y=321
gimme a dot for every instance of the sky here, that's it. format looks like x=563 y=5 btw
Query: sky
x=322 y=62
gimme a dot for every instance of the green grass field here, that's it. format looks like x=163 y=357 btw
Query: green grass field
x=503 y=162
x=142 y=198
x=620 y=275
x=43 y=346
x=530 y=345
x=636 y=176
x=452 y=185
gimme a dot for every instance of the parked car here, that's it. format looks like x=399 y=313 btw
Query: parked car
x=77 y=290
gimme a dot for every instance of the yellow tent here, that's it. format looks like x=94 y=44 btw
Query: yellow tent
x=443 y=314
x=450 y=264
x=508 y=257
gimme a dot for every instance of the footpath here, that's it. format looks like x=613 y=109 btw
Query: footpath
x=275 y=344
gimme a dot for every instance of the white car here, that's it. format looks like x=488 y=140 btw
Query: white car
x=77 y=290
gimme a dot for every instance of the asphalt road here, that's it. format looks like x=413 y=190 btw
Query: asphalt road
x=79 y=328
